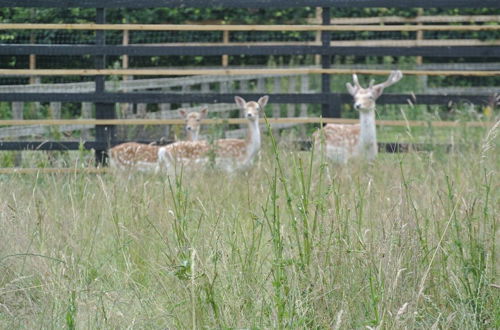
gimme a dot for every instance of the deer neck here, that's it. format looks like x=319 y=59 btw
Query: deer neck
x=253 y=138
x=192 y=135
x=368 y=134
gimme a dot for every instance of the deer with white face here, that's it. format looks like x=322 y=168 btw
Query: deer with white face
x=226 y=154
x=144 y=157
x=342 y=142
x=193 y=122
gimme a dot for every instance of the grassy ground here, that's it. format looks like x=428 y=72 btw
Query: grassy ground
x=410 y=241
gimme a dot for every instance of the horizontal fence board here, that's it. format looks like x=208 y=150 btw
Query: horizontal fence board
x=151 y=50
x=157 y=97
x=316 y=98
x=131 y=85
x=60 y=145
x=428 y=51
x=156 y=83
x=344 y=43
x=337 y=43
x=461 y=66
x=438 y=48
x=30 y=130
x=133 y=50
x=414 y=43
x=234 y=72
x=51 y=145
x=55 y=170
x=417 y=19
x=250 y=3
x=66 y=146
x=263 y=121
x=246 y=27
x=485 y=91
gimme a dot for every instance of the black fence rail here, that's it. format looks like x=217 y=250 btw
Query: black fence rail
x=250 y=3
x=331 y=102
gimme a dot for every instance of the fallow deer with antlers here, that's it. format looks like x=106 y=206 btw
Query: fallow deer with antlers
x=144 y=157
x=342 y=142
x=226 y=154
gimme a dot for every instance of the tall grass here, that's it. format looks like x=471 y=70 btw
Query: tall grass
x=409 y=241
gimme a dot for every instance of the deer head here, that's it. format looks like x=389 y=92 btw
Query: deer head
x=365 y=98
x=193 y=122
x=252 y=109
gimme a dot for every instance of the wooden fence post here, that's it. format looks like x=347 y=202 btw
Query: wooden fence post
x=55 y=110
x=186 y=89
x=224 y=88
x=420 y=35
x=35 y=106
x=420 y=60
x=243 y=89
x=17 y=110
x=86 y=114
x=225 y=41
x=261 y=85
x=126 y=108
x=276 y=89
x=164 y=107
x=317 y=58
x=17 y=113
x=304 y=88
x=327 y=109
x=292 y=89
x=104 y=134
x=205 y=88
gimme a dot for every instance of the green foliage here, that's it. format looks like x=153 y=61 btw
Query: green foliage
x=71 y=312
x=5 y=110
x=7 y=158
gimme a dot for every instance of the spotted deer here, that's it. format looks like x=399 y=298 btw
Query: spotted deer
x=342 y=142
x=226 y=154
x=144 y=157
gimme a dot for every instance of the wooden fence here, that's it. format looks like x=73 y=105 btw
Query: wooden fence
x=104 y=97
x=217 y=84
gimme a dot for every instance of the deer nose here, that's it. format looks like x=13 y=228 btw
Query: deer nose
x=357 y=106
x=189 y=128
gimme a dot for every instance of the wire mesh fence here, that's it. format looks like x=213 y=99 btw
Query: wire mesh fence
x=304 y=83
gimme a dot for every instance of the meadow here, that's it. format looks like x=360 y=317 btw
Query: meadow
x=408 y=241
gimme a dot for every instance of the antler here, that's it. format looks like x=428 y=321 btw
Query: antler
x=356 y=81
x=394 y=77
x=354 y=89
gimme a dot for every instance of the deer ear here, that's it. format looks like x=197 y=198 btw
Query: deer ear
x=240 y=101
x=204 y=112
x=377 y=90
x=183 y=113
x=351 y=89
x=263 y=101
